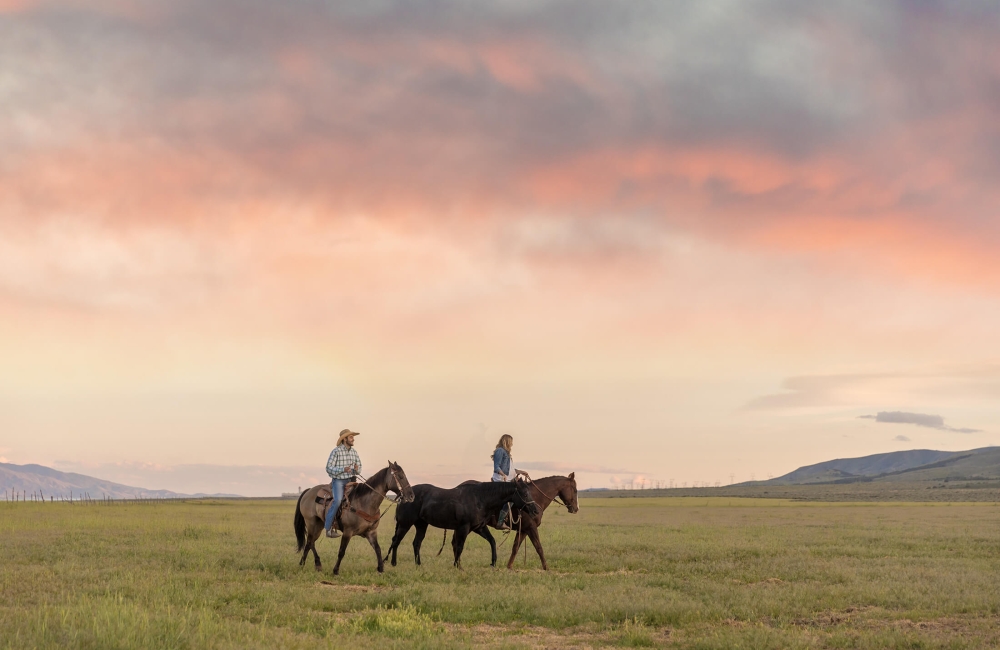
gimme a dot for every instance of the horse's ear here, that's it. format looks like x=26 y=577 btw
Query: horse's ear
x=571 y=475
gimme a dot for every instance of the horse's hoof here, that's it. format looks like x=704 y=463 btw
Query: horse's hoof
x=381 y=569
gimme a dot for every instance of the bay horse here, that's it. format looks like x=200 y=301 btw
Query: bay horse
x=464 y=509
x=361 y=517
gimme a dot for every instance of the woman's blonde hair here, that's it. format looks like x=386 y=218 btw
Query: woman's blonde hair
x=506 y=442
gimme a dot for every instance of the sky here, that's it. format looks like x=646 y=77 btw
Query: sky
x=698 y=242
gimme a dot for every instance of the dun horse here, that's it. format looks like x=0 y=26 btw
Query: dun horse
x=464 y=509
x=361 y=517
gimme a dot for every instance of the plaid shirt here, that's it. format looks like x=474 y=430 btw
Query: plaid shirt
x=341 y=458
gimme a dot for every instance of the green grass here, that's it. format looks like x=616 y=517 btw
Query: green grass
x=944 y=490
x=682 y=572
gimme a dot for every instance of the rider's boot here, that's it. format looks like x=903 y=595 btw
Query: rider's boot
x=502 y=521
x=332 y=531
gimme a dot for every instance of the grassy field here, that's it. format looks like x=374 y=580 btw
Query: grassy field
x=945 y=490
x=654 y=572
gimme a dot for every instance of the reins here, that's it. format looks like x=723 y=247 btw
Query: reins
x=554 y=499
x=369 y=517
x=520 y=518
x=507 y=533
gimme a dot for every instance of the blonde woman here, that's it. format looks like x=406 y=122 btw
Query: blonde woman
x=502 y=462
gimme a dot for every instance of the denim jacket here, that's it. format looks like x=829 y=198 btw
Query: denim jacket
x=501 y=461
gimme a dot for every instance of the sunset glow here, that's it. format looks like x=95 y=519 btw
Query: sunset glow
x=678 y=241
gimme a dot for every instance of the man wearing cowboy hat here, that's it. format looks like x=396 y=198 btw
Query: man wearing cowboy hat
x=343 y=465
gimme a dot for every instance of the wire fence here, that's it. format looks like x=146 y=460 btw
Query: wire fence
x=13 y=496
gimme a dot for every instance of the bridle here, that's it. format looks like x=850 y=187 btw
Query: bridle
x=398 y=490
x=555 y=499
x=399 y=486
x=395 y=479
x=526 y=502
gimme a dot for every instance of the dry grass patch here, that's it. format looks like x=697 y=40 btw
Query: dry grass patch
x=361 y=589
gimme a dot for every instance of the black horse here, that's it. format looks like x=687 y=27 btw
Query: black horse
x=543 y=491
x=464 y=509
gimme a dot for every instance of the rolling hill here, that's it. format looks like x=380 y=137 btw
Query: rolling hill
x=912 y=465
x=53 y=483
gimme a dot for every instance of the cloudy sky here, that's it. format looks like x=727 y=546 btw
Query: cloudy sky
x=681 y=240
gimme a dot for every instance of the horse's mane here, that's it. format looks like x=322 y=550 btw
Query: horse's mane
x=545 y=478
x=363 y=488
x=494 y=488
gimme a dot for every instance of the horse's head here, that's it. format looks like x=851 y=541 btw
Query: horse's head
x=398 y=482
x=523 y=500
x=567 y=492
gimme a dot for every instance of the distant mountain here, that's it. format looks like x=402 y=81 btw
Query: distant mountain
x=975 y=464
x=912 y=465
x=51 y=482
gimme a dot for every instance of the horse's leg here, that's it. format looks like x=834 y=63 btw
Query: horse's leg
x=305 y=552
x=514 y=546
x=485 y=533
x=312 y=544
x=536 y=541
x=458 y=543
x=418 y=539
x=392 y=543
x=397 y=539
x=340 y=556
x=372 y=537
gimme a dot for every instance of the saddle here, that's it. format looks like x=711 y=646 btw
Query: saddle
x=324 y=497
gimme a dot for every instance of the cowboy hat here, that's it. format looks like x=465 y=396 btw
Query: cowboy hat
x=345 y=433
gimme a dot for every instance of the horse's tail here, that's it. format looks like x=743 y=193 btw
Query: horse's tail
x=443 y=540
x=300 y=522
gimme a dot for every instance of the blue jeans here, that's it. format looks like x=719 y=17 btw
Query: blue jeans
x=337 y=487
